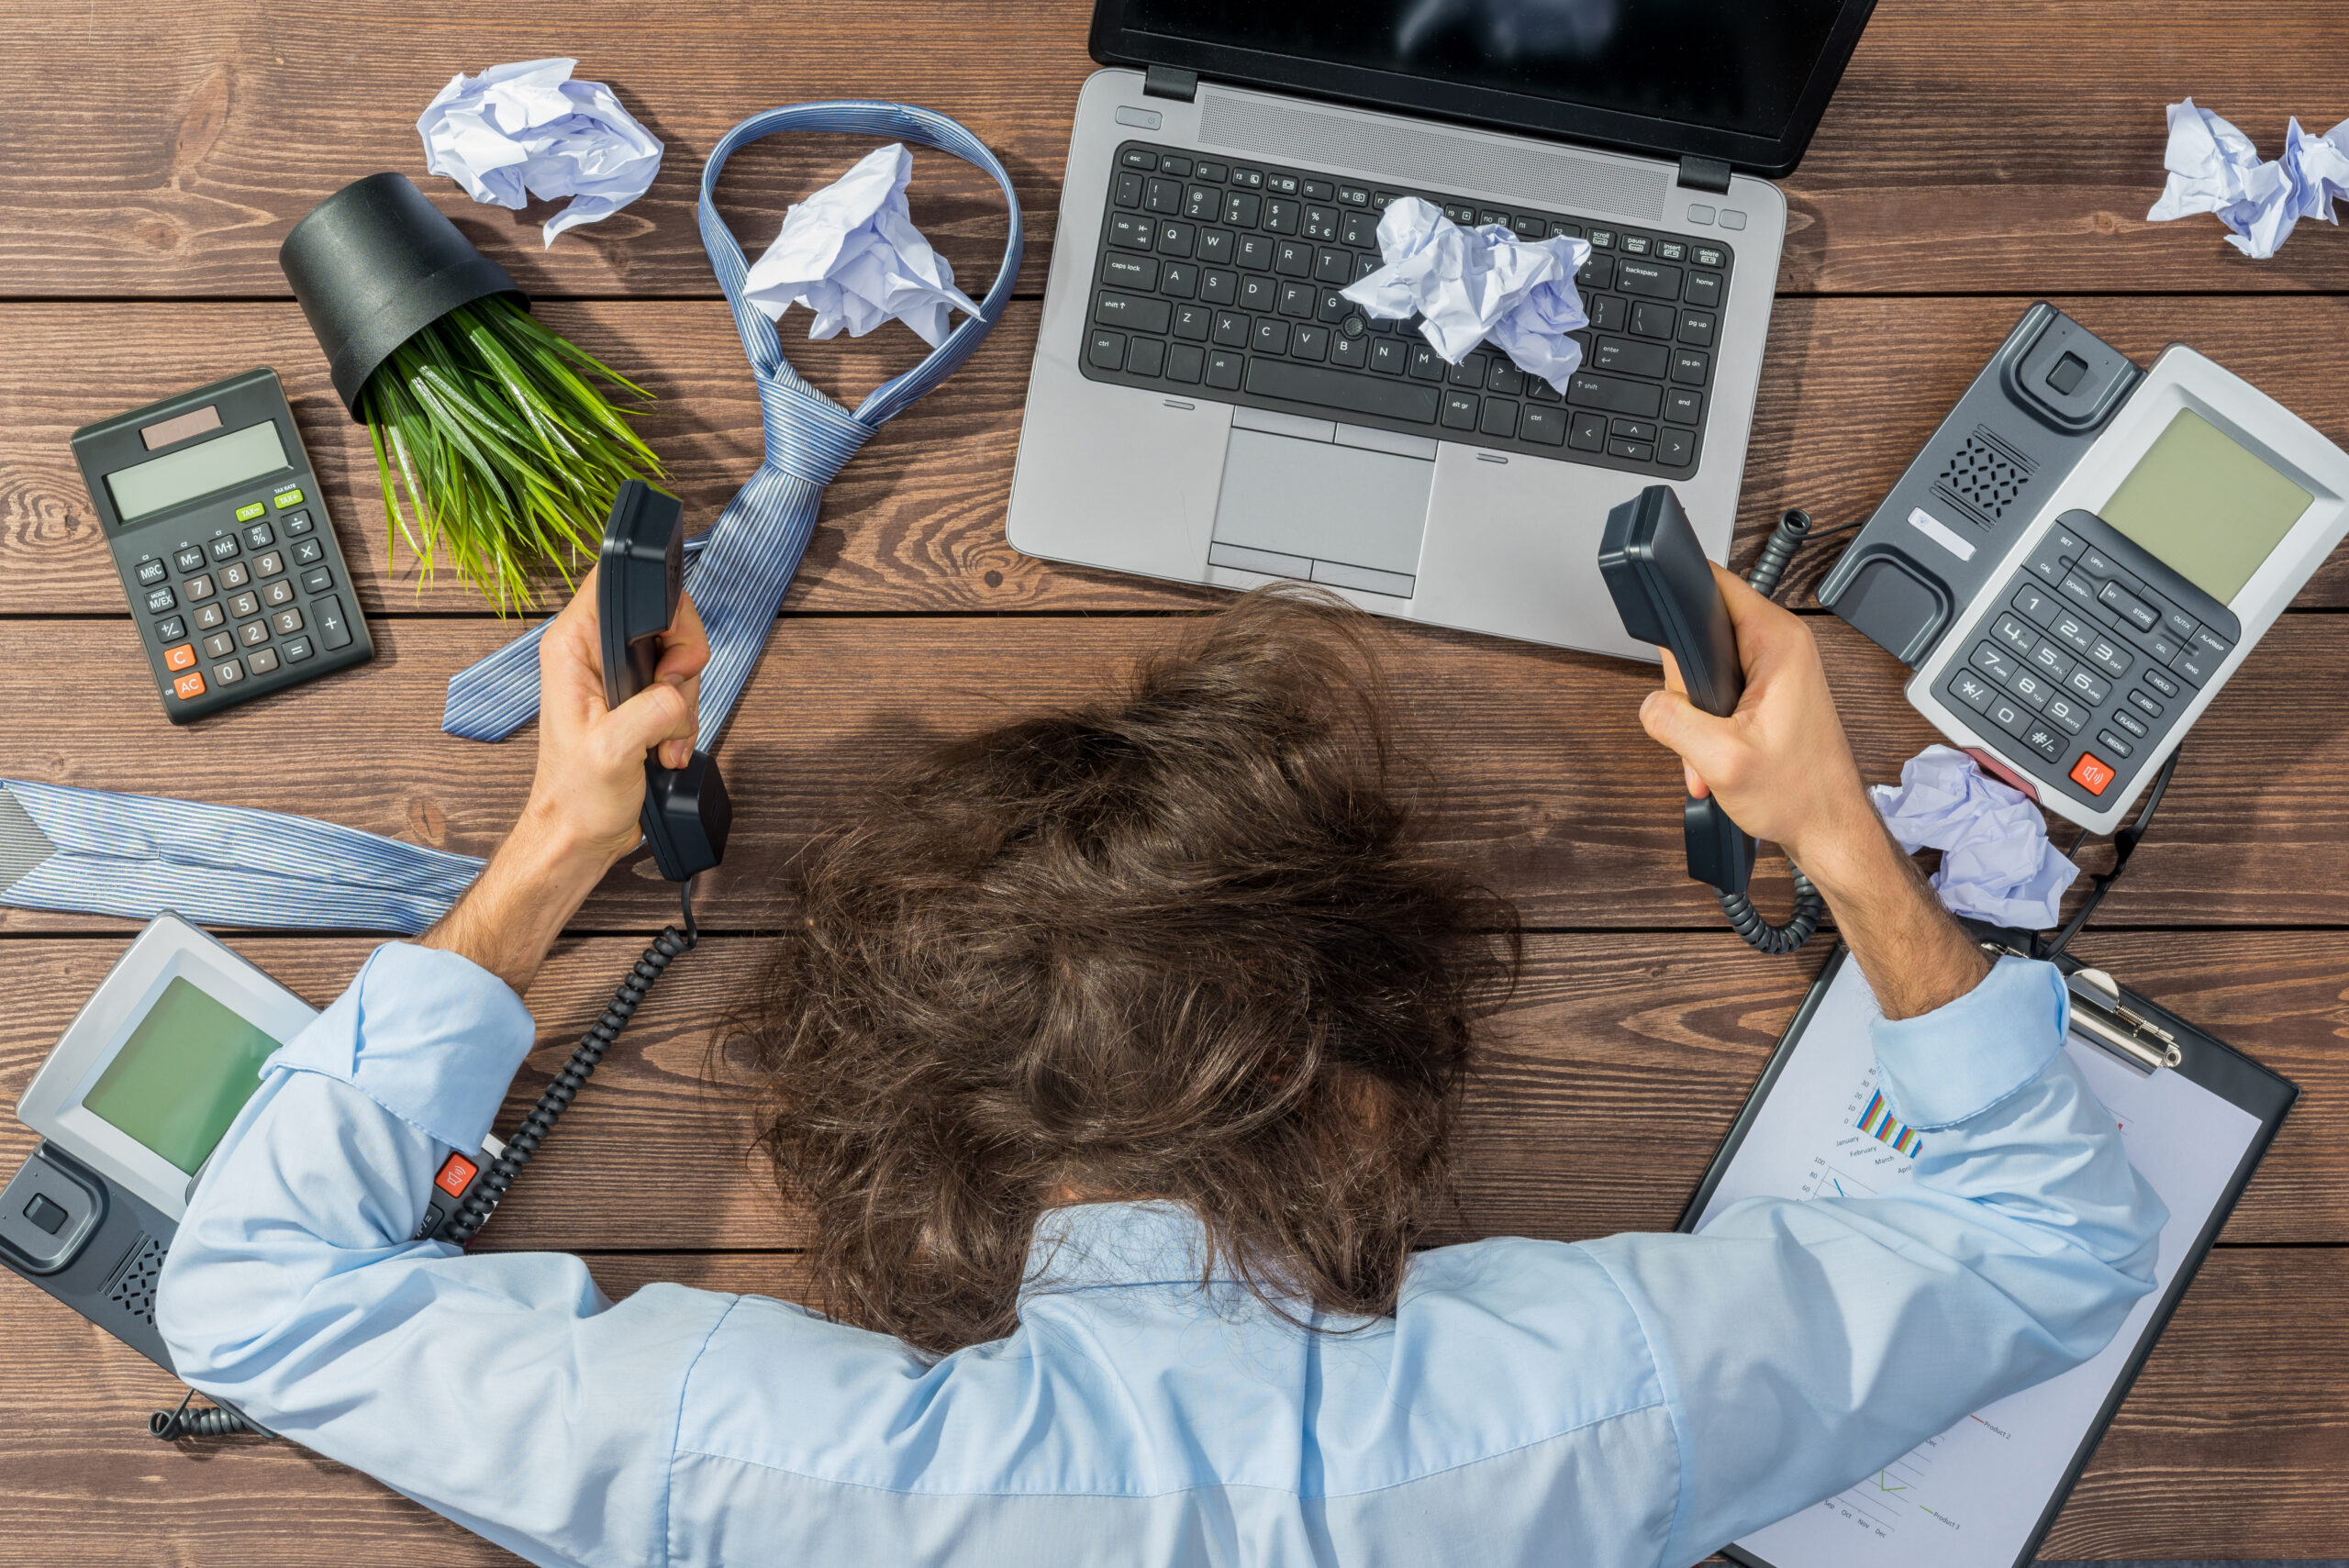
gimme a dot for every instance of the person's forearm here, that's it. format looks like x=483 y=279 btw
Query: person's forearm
x=1915 y=956
x=529 y=890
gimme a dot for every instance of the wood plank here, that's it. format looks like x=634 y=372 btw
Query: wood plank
x=1851 y=390
x=916 y=522
x=2000 y=146
x=1609 y=1086
x=2014 y=148
x=2232 y=1442
x=183 y=177
x=1553 y=793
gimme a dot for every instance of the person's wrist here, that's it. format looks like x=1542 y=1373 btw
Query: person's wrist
x=1845 y=847
x=549 y=846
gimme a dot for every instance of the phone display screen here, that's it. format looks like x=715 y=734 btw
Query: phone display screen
x=187 y=1069
x=2206 y=505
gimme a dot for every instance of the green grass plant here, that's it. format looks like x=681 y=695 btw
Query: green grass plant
x=506 y=452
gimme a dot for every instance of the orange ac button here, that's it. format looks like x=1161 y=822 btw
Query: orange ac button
x=2091 y=772
x=188 y=687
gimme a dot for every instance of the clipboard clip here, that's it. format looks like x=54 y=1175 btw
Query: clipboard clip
x=2099 y=1013
x=2100 y=1016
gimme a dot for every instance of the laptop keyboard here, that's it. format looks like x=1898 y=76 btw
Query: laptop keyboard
x=1219 y=281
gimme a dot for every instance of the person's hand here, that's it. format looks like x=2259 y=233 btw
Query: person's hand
x=1782 y=769
x=590 y=785
x=588 y=795
x=1779 y=764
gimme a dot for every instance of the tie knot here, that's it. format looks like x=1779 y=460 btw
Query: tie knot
x=810 y=436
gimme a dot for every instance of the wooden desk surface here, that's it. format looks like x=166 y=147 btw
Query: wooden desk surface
x=1980 y=152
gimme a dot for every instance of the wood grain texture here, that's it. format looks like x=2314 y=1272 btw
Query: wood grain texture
x=2005 y=146
x=183 y=177
x=1851 y=390
x=1550 y=791
x=2227 y=1446
x=1979 y=153
x=1604 y=1093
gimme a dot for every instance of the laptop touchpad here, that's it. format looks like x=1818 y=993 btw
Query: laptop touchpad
x=1340 y=515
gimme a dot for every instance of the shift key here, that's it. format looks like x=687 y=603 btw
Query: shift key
x=327 y=615
x=1131 y=312
x=1636 y=398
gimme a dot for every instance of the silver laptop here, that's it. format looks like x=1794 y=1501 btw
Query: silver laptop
x=1207 y=407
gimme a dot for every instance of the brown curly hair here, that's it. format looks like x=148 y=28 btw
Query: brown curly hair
x=1188 y=944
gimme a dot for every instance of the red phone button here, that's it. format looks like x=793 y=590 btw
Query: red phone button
x=2091 y=774
x=454 y=1173
x=188 y=687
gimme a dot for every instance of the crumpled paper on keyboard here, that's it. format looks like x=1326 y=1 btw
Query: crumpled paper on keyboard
x=2214 y=168
x=1997 y=863
x=526 y=129
x=1478 y=285
x=851 y=254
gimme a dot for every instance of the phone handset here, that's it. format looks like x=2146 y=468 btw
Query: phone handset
x=1663 y=590
x=640 y=579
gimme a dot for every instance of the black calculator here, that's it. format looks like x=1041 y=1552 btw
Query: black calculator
x=223 y=542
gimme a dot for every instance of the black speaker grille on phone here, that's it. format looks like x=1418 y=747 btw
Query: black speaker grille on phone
x=1984 y=476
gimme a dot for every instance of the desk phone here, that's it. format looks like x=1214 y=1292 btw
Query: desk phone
x=213 y=514
x=2086 y=551
x=130 y=1104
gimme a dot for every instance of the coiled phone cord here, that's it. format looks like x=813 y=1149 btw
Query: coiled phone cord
x=483 y=1201
x=1778 y=553
x=217 y=1421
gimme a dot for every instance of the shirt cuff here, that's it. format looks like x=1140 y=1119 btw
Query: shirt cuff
x=432 y=1038
x=1965 y=1056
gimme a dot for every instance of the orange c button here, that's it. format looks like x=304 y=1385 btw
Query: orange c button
x=2091 y=774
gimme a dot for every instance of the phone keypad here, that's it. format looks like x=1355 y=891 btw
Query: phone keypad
x=2082 y=665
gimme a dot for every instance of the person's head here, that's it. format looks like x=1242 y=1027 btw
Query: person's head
x=1186 y=943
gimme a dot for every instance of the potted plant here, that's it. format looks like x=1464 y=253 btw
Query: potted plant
x=497 y=442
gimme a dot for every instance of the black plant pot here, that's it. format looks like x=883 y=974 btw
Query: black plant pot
x=375 y=264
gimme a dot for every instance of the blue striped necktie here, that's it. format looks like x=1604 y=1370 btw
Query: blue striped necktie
x=93 y=851
x=741 y=568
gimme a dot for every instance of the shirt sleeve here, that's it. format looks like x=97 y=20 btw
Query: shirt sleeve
x=1802 y=1344
x=502 y=1391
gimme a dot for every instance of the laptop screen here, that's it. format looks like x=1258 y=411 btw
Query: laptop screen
x=1741 y=79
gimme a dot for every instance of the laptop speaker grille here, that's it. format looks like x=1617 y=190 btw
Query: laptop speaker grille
x=1424 y=156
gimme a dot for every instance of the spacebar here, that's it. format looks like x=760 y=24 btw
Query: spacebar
x=1334 y=389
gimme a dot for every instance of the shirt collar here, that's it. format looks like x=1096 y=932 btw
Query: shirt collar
x=1095 y=1245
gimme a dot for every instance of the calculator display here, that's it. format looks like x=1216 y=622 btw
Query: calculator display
x=2205 y=506
x=240 y=455
x=181 y=1078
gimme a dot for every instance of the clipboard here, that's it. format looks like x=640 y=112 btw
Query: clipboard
x=2121 y=1032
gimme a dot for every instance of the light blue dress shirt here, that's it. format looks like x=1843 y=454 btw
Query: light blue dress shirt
x=1638 y=1400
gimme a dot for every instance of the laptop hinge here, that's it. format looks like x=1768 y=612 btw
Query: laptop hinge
x=1704 y=174
x=1165 y=82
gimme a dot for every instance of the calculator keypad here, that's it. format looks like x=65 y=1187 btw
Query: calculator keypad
x=2083 y=663
x=256 y=597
